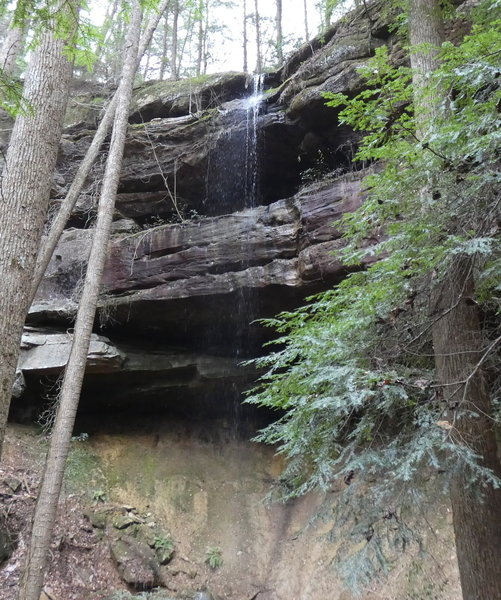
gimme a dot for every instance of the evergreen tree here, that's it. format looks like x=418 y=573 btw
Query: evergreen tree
x=373 y=388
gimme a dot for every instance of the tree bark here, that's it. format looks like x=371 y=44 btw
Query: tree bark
x=106 y=29
x=280 y=34
x=174 y=73
x=45 y=512
x=11 y=48
x=426 y=37
x=458 y=346
x=259 y=56
x=200 y=41
x=25 y=190
x=165 y=48
x=50 y=242
x=245 y=40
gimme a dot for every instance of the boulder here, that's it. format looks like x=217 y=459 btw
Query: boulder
x=136 y=562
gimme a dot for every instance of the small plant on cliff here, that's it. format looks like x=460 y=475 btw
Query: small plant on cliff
x=98 y=496
x=163 y=543
x=213 y=557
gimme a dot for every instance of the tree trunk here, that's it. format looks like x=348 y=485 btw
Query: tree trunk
x=306 y=28
x=165 y=47
x=147 y=65
x=245 y=40
x=206 y=39
x=11 y=48
x=280 y=35
x=458 y=346
x=46 y=508
x=25 y=189
x=187 y=41
x=106 y=29
x=174 y=73
x=426 y=28
x=259 y=56
x=50 y=242
x=200 y=41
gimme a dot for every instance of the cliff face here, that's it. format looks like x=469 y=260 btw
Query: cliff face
x=225 y=207
x=225 y=215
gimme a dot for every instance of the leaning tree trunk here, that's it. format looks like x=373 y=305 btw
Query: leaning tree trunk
x=458 y=347
x=68 y=204
x=25 y=189
x=45 y=512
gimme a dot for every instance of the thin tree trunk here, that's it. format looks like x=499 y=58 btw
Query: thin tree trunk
x=11 y=48
x=68 y=204
x=206 y=38
x=165 y=47
x=280 y=34
x=188 y=38
x=200 y=41
x=146 y=65
x=115 y=55
x=25 y=188
x=106 y=28
x=458 y=346
x=245 y=40
x=259 y=56
x=306 y=28
x=174 y=73
x=45 y=512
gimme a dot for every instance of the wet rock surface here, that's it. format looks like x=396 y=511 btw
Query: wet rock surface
x=224 y=215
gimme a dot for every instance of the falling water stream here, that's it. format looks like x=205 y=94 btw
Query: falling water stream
x=251 y=162
x=233 y=187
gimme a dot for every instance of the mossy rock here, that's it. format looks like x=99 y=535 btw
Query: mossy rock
x=136 y=562
x=124 y=521
x=97 y=518
x=162 y=99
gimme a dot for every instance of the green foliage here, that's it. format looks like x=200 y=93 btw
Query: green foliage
x=352 y=375
x=69 y=22
x=213 y=557
x=83 y=472
x=164 y=543
x=11 y=96
x=98 y=496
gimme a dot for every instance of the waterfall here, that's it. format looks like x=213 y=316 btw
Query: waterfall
x=232 y=181
x=251 y=162
x=233 y=187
